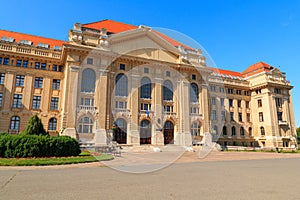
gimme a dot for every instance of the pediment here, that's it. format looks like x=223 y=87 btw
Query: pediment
x=144 y=44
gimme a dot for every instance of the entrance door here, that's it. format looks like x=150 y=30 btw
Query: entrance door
x=120 y=132
x=169 y=133
x=145 y=132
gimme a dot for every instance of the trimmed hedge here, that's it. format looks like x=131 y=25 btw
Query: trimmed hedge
x=22 y=146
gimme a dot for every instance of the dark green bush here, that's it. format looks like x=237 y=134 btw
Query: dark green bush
x=21 y=146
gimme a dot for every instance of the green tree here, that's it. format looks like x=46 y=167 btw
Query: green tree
x=298 y=134
x=35 y=127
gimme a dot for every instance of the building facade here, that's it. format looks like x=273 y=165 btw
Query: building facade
x=138 y=86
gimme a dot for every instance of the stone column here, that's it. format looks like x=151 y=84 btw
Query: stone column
x=133 y=134
x=70 y=101
x=103 y=105
x=158 y=122
x=8 y=92
x=184 y=135
x=205 y=108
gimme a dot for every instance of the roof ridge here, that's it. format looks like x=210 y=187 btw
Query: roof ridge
x=110 y=20
x=28 y=34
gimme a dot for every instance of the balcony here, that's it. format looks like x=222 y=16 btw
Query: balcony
x=282 y=123
x=86 y=109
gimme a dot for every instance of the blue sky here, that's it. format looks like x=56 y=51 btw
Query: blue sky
x=236 y=33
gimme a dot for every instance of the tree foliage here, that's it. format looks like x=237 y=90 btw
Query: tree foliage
x=35 y=127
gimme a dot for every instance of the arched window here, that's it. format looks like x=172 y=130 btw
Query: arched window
x=52 y=124
x=195 y=129
x=168 y=91
x=121 y=85
x=146 y=88
x=85 y=125
x=262 y=131
x=233 y=133
x=224 y=130
x=15 y=123
x=250 y=131
x=88 y=80
x=194 y=93
x=242 y=131
x=168 y=125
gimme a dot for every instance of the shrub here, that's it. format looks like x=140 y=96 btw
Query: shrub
x=21 y=146
x=35 y=127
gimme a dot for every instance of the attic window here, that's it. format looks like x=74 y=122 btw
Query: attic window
x=7 y=39
x=57 y=48
x=26 y=42
x=43 y=45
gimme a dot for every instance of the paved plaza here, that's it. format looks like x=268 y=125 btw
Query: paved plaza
x=220 y=175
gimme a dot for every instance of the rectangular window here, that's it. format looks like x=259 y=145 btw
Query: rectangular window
x=194 y=110
x=277 y=91
x=193 y=76
x=56 y=84
x=146 y=70
x=145 y=106
x=36 y=101
x=223 y=114
x=89 y=61
x=44 y=66
x=54 y=103
x=122 y=66
x=20 y=80
x=38 y=82
x=247 y=93
x=214 y=115
x=261 y=116
x=168 y=109
x=247 y=104
x=25 y=63
x=222 y=90
x=60 y=68
x=240 y=117
x=239 y=92
x=121 y=104
x=17 y=101
x=230 y=91
x=212 y=88
x=279 y=115
x=259 y=103
x=54 y=68
x=213 y=100
x=222 y=101
x=231 y=116
x=168 y=73
x=0 y=60
x=2 y=78
x=230 y=102
x=248 y=117
x=37 y=65
x=239 y=103
x=19 y=63
x=1 y=99
x=278 y=102
x=6 y=61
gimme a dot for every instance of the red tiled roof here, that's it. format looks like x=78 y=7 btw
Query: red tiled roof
x=118 y=27
x=226 y=72
x=34 y=39
x=110 y=25
x=257 y=68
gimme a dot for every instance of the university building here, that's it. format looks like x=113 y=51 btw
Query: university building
x=140 y=87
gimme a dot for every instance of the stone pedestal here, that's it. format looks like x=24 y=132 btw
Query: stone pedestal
x=70 y=132
x=100 y=137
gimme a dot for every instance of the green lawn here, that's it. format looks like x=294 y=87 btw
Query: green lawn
x=82 y=158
